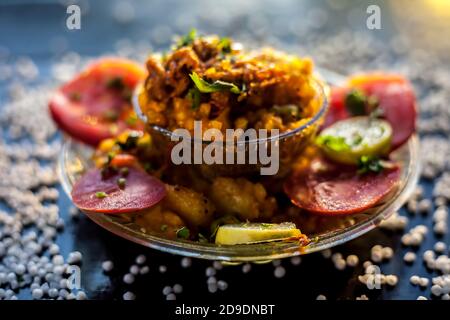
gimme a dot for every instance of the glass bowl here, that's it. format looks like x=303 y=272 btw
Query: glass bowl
x=290 y=143
x=325 y=232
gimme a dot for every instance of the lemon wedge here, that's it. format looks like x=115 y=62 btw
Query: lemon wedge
x=248 y=233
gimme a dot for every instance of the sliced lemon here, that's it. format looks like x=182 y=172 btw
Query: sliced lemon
x=248 y=233
x=348 y=140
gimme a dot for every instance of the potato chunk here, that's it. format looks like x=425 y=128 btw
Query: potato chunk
x=242 y=198
x=161 y=221
x=193 y=207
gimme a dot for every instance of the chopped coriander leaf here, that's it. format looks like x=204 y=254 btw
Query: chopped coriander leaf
x=225 y=45
x=111 y=156
x=115 y=83
x=131 y=120
x=110 y=115
x=121 y=182
x=131 y=141
x=206 y=87
x=355 y=102
x=148 y=166
x=75 y=96
x=187 y=39
x=370 y=164
x=124 y=171
x=288 y=112
x=164 y=227
x=334 y=143
x=100 y=195
x=194 y=95
x=183 y=233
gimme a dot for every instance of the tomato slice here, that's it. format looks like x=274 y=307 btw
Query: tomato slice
x=395 y=96
x=332 y=189
x=95 y=193
x=96 y=105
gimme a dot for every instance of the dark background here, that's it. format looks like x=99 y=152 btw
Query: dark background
x=37 y=29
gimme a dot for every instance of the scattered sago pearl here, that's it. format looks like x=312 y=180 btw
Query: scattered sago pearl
x=279 y=272
x=107 y=266
x=321 y=297
x=144 y=270
x=246 y=268
x=222 y=285
x=423 y=282
x=166 y=290
x=134 y=270
x=140 y=259
x=436 y=290
x=162 y=268
x=440 y=247
x=296 y=261
x=37 y=294
x=186 y=262
x=210 y=271
x=74 y=257
x=391 y=280
x=415 y=280
x=409 y=257
x=129 y=296
x=171 y=297
x=217 y=265
x=421 y=298
x=352 y=260
x=177 y=288
x=128 y=278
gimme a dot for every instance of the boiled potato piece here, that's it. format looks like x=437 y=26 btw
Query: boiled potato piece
x=241 y=198
x=193 y=207
x=161 y=221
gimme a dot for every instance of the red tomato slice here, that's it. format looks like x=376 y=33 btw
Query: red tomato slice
x=333 y=189
x=337 y=110
x=141 y=191
x=96 y=104
x=395 y=96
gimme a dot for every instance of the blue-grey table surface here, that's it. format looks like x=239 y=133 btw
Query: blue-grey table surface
x=34 y=28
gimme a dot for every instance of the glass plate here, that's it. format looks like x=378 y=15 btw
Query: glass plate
x=326 y=232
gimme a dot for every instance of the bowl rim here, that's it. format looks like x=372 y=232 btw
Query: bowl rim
x=322 y=91
x=255 y=252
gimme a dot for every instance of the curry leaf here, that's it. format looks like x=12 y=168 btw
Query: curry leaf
x=206 y=87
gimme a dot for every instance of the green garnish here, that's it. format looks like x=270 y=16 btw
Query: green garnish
x=288 y=112
x=131 y=120
x=206 y=87
x=121 y=182
x=194 y=95
x=355 y=102
x=115 y=83
x=183 y=233
x=187 y=39
x=334 y=143
x=202 y=238
x=110 y=115
x=124 y=171
x=370 y=164
x=100 y=195
x=131 y=141
x=148 y=166
x=164 y=227
x=75 y=96
x=224 y=45
x=111 y=156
